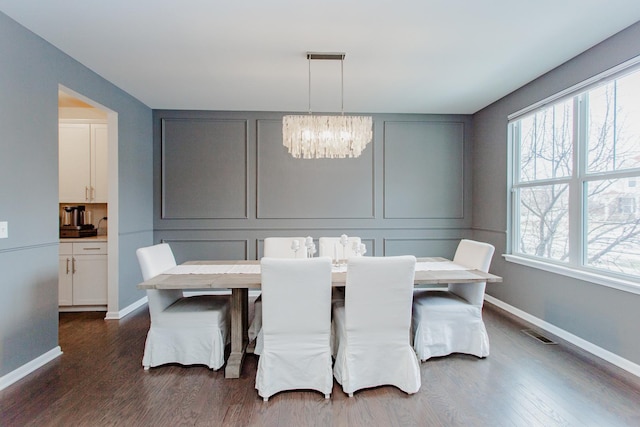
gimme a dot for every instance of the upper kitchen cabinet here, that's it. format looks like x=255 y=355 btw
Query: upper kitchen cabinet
x=83 y=162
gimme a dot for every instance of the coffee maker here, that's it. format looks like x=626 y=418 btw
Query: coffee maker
x=73 y=223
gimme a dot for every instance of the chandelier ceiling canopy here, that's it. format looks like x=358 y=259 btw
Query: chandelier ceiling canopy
x=326 y=136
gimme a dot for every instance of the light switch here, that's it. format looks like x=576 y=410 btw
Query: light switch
x=4 y=229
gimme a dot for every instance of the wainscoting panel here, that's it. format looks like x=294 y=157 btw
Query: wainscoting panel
x=369 y=243
x=188 y=250
x=204 y=168
x=423 y=169
x=421 y=247
x=223 y=182
x=291 y=188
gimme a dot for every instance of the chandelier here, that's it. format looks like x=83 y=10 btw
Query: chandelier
x=318 y=137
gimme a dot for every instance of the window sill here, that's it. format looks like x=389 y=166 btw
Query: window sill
x=587 y=276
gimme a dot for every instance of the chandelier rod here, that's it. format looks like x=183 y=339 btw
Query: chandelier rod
x=342 y=85
x=309 y=62
x=333 y=57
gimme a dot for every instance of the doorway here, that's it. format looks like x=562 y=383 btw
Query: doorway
x=85 y=118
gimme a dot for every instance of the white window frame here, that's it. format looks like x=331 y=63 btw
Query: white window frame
x=576 y=267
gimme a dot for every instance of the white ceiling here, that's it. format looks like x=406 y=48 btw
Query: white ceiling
x=402 y=56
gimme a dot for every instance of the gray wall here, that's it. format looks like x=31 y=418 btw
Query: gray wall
x=224 y=182
x=606 y=317
x=31 y=71
x=397 y=196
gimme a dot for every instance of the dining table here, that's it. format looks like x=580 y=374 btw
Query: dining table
x=242 y=275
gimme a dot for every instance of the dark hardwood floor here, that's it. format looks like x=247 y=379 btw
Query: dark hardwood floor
x=99 y=381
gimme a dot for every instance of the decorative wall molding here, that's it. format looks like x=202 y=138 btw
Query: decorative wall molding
x=204 y=173
x=29 y=247
x=424 y=169
x=312 y=189
x=220 y=249
x=432 y=246
x=317 y=197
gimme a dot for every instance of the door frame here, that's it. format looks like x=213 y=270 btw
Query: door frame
x=113 y=308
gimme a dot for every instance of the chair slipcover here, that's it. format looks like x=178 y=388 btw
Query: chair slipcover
x=450 y=321
x=185 y=330
x=274 y=247
x=372 y=326
x=296 y=316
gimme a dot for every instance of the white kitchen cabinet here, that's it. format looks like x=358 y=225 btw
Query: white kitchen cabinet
x=65 y=274
x=82 y=277
x=82 y=162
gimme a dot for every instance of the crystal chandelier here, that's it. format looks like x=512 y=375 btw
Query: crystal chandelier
x=317 y=137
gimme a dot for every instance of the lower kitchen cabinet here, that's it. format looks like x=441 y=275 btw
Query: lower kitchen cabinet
x=82 y=276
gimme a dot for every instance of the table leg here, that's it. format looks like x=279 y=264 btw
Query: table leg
x=239 y=337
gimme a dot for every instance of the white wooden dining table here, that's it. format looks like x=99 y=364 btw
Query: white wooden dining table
x=242 y=275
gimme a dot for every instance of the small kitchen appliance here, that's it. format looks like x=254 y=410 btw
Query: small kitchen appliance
x=73 y=223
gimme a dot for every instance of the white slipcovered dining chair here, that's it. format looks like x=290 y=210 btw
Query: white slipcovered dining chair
x=296 y=326
x=185 y=330
x=373 y=326
x=274 y=247
x=450 y=321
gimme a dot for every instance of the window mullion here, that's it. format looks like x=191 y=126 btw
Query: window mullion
x=578 y=200
x=514 y=225
x=569 y=204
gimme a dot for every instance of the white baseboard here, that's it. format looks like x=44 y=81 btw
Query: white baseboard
x=28 y=368
x=600 y=352
x=81 y=308
x=116 y=315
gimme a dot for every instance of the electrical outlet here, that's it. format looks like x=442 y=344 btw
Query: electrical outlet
x=4 y=229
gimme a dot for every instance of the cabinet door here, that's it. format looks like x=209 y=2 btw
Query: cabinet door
x=65 y=280
x=74 y=155
x=99 y=170
x=90 y=280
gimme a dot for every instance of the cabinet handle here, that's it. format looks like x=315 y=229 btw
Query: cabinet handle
x=92 y=193
x=86 y=193
x=90 y=249
x=73 y=266
x=67 y=265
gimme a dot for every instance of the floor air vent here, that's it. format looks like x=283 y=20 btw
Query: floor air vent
x=538 y=336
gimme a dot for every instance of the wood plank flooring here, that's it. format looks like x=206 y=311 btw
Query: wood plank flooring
x=99 y=381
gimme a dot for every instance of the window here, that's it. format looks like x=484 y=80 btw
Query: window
x=575 y=165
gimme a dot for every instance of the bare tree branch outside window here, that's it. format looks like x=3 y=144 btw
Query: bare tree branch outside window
x=608 y=129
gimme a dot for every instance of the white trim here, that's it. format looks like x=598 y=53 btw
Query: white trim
x=600 y=352
x=577 y=88
x=27 y=368
x=113 y=254
x=77 y=308
x=588 y=276
x=116 y=315
x=113 y=222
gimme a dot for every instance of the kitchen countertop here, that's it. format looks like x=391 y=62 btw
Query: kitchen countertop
x=102 y=238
